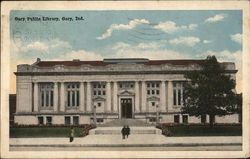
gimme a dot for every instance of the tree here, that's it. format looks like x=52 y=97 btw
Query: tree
x=209 y=91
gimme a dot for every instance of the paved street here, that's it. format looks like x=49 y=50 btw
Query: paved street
x=160 y=142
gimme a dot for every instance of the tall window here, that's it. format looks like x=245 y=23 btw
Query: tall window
x=46 y=95
x=153 y=88
x=178 y=93
x=99 y=89
x=73 y=95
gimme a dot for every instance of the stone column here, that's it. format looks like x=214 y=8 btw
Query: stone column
x=55 y=104
x=180 y=115
x=170 y=95
x=89 y=97
x=163 y=96
x=82 y=94
x=62 y=97
x=108 y=97
x=137 y=97
x=36 y=96
x=143 y=96
x=207 y=118
x=115 y=103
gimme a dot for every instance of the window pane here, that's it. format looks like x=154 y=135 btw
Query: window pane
x=174 y=95
x=103 y=93
x=176 y=118
x=157 y=85
x=185 y=119
x=42 y=98
x=94 y=93
x=75 y=120
x=67 y=120
x=73 y=98
x=51 y=98
x=148 y=91
x=99 y=92
x=77 y=100
x=68 y=98
x=153 y=91
x=103 y=86
x=157 y=92
x=148 y=85
x=47 y=98
x=49 y=120
x=179 y=97
x=40 y=120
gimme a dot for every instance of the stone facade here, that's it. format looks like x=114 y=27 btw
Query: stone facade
x=80 y=92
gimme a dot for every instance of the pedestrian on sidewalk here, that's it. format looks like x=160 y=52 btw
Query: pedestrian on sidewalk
x=123 y=132
x=127 y=131
x=72 y=134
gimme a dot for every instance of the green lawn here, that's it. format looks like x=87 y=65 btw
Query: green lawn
x=205 y=130
x=43 y=132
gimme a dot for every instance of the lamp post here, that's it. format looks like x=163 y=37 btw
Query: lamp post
x=94 y=112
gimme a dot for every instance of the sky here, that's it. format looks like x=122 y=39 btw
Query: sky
x=153 y=34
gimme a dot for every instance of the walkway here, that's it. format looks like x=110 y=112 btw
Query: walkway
x=134 y=140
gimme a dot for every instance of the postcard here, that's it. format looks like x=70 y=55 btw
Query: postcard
x=114 y=79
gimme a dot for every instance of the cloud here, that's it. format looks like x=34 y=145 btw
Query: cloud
x=132 y=24
x=171 y=27
x=140 y=46
x=206 y=41
x=216 y=18
x=236 y=38
x=189 y=41
x=152 y=51
x=37 y=45
x=50 y=50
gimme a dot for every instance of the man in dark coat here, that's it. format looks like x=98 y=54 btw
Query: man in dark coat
x=127 y=131
x=123 y=132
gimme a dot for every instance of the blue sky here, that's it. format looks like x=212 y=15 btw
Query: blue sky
x=154 y=34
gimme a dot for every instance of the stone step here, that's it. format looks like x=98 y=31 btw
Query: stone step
x=122 y=122
x=117 y=130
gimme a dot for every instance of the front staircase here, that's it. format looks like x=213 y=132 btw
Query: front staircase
x=114 y=127
x=122 y=122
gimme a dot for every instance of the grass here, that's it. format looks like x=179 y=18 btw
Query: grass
x=205 y=130
x=43 y=132
x=178 y=130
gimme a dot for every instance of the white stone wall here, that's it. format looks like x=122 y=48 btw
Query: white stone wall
x=234 y=118
x=193 y=119
x=27 y=119
x=24 y=94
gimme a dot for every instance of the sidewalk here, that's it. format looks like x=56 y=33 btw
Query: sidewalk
x=134 y=140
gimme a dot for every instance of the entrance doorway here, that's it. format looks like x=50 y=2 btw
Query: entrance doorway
x=126 y=108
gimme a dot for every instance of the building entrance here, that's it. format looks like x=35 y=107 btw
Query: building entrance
x=126 y=108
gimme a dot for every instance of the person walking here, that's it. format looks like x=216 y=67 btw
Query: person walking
x=72 y=134
x=127 y=131
x=123 y=132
